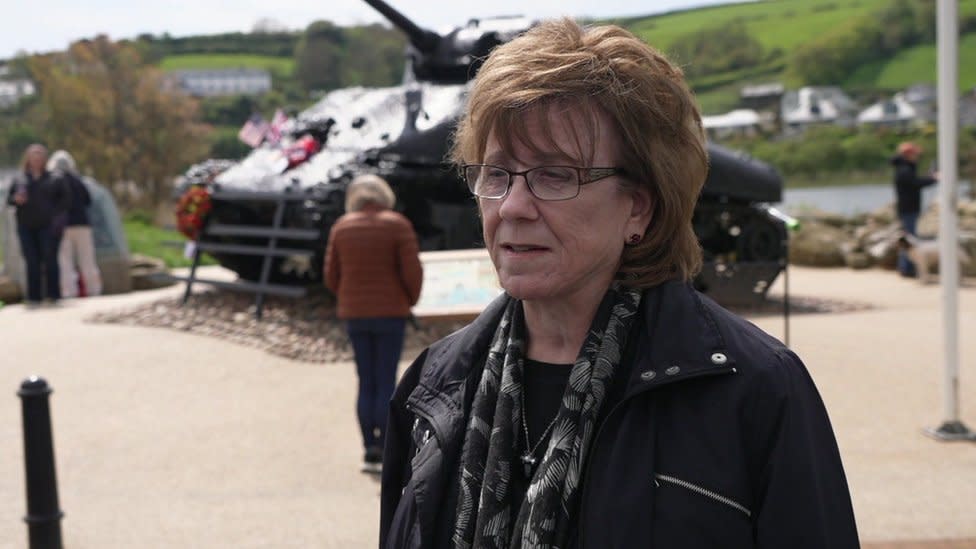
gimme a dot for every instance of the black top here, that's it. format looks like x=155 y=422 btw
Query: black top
x=47 y=197
x=80 y=199
x=908 y=186
x=544 y=385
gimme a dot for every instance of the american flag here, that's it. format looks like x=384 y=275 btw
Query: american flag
x=254 y=131
x=277 y=125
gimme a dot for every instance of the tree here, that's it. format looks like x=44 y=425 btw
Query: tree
x=374 y=56
x=120 y=118
x=318 y=56
x=717 y=49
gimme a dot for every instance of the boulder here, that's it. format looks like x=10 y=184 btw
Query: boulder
x=858 y=260
x=147 y=273
x=9 y=290
x=818 y=245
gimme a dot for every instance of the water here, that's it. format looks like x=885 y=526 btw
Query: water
x=852 y=199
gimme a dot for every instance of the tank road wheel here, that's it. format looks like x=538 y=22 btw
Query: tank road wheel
x=761 y=240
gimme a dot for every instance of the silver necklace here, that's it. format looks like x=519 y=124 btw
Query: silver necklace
x=528 y=458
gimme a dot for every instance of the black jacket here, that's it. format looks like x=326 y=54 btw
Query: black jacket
x=47 y=198
x=720 y=440
x=908 y=186
x=80 y=198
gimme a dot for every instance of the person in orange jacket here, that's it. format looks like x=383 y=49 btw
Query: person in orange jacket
x=372 y=265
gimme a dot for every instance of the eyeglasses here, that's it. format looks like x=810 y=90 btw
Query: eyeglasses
x=545 y=182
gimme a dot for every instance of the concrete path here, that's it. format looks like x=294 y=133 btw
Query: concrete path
x=170 y=440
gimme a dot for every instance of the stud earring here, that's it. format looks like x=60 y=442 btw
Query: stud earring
x=634 y=238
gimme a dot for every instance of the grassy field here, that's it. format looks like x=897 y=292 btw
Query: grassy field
x=782 y=24
x=147 y=239
x=914 y=65
x=276 y=65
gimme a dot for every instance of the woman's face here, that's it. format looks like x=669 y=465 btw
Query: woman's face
x=36 y=159
x=561 y=250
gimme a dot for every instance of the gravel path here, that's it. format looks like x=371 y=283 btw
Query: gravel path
x=307 y=330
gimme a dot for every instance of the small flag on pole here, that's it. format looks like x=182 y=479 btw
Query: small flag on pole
x=277 y=126
x=253 y=131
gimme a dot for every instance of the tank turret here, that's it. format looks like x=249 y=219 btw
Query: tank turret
x=455 y=57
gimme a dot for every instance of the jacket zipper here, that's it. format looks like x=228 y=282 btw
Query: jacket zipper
x=617 y=406
x=703 y=492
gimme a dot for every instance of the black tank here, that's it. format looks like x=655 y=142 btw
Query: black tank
x=402 y=133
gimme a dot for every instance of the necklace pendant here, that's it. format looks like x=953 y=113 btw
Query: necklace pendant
x=528 y=464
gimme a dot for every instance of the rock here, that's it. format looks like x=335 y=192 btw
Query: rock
x=858 y=260
x=817 y=245
x=9 y=290
x=148 y=272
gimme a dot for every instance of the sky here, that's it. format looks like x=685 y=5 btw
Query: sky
x=50 y=25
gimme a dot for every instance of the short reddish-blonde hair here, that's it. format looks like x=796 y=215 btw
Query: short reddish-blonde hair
x=604 y=68
x=25 y=162
x=908 y=147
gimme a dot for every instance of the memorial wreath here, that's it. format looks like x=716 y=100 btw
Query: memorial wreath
x=191 y=211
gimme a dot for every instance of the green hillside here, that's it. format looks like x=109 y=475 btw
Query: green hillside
x=915 y=65
x=781 y=28
x=276 y=65
x=782 y=24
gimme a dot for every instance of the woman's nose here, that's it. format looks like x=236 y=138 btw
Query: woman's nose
x=519 y=202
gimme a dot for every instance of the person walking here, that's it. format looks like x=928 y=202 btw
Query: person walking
x=372 y=265
x=41 y=203
x=77 y=243
x=601 y=401
x=908 y=196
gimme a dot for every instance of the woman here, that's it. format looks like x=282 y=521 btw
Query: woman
x=601 y=402
x=372 y=265
x=77 y=243
x=41 y=202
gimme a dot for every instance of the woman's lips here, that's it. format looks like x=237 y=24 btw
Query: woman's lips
x=523 y=248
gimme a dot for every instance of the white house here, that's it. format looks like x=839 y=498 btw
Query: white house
x=894 y=112
x=737 y=122
x=817 y=105
x=224 y=81
x=11 y=91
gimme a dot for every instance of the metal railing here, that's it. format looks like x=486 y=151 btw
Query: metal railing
x=205 y=243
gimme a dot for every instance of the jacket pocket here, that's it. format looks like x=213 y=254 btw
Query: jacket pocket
x=405 y=526
x=677 y=483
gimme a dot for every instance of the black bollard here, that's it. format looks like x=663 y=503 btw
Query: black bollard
x=43 y=512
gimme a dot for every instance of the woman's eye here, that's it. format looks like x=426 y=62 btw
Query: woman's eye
x=551 y=175
x=496 y=174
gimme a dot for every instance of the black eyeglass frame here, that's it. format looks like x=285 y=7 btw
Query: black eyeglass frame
x=584 y=176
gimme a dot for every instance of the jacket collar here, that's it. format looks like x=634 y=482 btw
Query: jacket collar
x=679 y=338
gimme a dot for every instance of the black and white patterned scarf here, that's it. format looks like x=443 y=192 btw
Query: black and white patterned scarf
x=487 y=517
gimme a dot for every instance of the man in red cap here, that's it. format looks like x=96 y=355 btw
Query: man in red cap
x=908 y=195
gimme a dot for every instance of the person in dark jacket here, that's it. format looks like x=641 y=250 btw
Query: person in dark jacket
x=41 y=203
x=372 y=264
x=601 y=402
x=77 y=243
x=908 y=195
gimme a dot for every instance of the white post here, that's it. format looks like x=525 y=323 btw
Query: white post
x=948 y=54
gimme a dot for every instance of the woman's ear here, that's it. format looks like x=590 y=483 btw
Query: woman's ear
x=641 y=211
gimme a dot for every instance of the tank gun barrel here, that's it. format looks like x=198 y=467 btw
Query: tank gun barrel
x=422 y=39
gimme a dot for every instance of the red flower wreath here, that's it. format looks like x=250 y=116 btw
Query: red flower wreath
x=192 y=210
